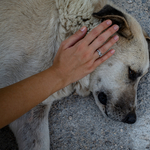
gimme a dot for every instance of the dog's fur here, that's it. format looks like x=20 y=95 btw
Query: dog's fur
x=31 y=32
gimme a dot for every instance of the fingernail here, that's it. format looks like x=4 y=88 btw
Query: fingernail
x=116 y=37
x=83 y=28
x=112 y=51
x=109 y=22
x=116 y=27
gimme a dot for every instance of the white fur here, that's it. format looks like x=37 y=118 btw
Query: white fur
x=31 y=32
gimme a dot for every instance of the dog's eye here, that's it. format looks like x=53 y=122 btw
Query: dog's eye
x=132 y=74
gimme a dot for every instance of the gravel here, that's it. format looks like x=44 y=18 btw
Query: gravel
x=76 y=123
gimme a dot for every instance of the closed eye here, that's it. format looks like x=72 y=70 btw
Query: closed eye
x=133 y=75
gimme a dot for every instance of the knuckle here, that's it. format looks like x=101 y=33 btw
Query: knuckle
x=103 y=26
x=81 y=46
x=109 y=44
x=111 y=30
x=101 y=39
x=105 y=57
x=103 y=49
x=76 y=35
x=112 y=41
x=95 y=32
x=102 y=59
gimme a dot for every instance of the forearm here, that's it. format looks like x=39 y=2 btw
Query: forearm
x=19 y=98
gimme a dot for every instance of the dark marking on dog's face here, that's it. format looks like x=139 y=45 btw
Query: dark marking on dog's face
x=133 y=75
x=116 y=94
x=124 y=105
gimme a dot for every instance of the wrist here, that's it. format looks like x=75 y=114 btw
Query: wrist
x=60 y=81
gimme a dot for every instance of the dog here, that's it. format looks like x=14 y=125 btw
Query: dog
x=31 y=32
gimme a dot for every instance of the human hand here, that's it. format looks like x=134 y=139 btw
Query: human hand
x=77 y=56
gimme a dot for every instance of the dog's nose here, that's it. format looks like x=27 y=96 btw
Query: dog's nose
x=130 y=118
x=102 y=98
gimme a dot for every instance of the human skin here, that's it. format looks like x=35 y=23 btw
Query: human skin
x=79 y=51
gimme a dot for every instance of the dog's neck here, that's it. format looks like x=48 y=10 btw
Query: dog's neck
x=74 y=15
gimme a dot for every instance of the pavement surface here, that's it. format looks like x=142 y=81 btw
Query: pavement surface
x=76 y=123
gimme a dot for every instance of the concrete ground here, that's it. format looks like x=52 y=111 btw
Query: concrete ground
x=76 y=123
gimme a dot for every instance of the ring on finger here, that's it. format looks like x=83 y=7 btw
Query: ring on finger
x=99 y=53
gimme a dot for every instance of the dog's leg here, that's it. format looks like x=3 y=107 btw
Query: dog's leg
x=31 y=130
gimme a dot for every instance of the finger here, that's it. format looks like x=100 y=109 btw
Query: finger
x=106 y=46
x=101 y=39
x=96 y=55
x=75 y=37
x=96 y=31
x=103 y=58
x=109 y=44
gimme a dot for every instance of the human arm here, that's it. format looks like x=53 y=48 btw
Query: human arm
x=81 y=55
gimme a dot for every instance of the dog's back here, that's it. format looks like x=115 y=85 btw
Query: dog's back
x=31 y=32
x=28 y=33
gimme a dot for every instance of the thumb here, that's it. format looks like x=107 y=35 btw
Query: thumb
x=75 y=37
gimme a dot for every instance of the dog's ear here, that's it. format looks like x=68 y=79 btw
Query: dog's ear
x=117 y=17
x=148 y=40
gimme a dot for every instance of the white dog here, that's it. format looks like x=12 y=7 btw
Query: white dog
x=31 y=32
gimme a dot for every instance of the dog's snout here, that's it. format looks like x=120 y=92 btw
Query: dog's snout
x=130 y=118
x=102 y=98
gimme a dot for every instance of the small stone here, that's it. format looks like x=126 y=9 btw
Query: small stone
x=129 y=1
x=108 y=143
x=70 y=118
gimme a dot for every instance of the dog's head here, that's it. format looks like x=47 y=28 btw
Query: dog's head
x=114 y=83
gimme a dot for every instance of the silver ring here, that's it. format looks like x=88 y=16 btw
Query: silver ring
x=99 y=53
